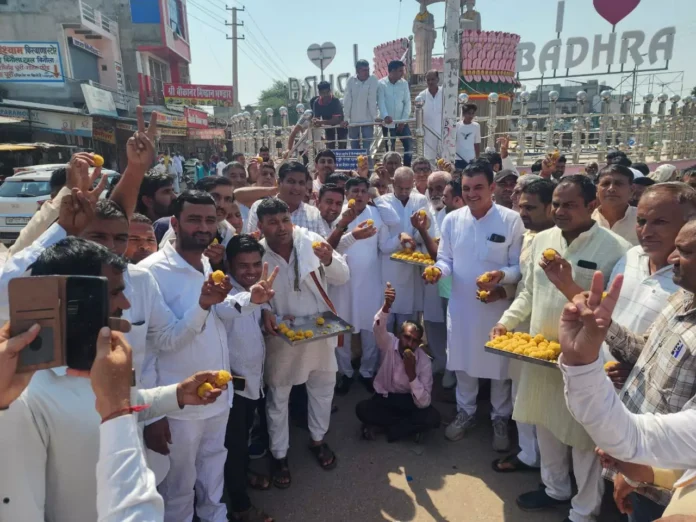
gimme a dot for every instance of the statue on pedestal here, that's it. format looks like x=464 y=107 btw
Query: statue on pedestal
x=471 y=18
x=424 y=35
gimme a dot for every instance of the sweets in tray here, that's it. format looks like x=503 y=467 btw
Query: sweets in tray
x=523 y=346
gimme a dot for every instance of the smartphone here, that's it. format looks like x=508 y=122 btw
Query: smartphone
x=70 y=310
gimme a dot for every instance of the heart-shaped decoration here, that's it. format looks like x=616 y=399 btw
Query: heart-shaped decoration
x=613 y=11
x=321 y=55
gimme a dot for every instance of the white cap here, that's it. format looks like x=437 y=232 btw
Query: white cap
x=637 y=173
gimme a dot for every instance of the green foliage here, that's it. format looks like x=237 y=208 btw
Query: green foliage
x=275 y=97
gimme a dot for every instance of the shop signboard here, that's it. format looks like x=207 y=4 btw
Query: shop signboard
x=196 y=119
x=206 y=134
x=37 y=62
x=171 y=120
x=99 y=101
x=169 y=131
x=105 y=135
x=58 y=123
x=187 y=94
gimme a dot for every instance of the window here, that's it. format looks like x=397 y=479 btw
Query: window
x=176 y=17
x=159 y=75
x=28 y=188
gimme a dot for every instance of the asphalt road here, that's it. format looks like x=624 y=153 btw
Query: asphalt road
x=375 y=481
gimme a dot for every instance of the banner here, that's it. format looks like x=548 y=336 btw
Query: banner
x=196 y=119
x=105 y=135
x=186 y=94
x=30 y=62
x=165 y=131
x=171 y=120
x=206 y=134
x=347 y=159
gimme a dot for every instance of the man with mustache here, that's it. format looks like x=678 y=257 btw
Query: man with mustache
x=614 y=191
x=141 y=239
x=197 y=443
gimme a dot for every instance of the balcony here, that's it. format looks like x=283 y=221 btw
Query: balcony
x=98 y=22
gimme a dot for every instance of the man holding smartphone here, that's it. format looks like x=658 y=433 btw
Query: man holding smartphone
x=50 y=433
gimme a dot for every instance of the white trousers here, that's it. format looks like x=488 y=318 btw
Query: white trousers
x=467 y=391
x=369 y=362
x=320 y=392
x=197 y=455
x=399 y=319
x=436 y=334
x=555 y=474
x=527 y=437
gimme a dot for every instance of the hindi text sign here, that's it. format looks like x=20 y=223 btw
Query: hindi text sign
x=186 y=94
x=31 y=62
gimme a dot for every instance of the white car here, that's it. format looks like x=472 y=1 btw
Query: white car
x=23 y=194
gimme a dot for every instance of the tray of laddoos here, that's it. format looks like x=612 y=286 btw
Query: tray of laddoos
x=310 y=328
x=522 y=346
x=411 y=257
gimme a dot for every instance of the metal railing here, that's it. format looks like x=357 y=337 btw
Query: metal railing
x=96 y=17
x=667 y=135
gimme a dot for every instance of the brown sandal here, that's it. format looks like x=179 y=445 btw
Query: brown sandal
x=281 y=471
x=326 y=458
x=258 y=481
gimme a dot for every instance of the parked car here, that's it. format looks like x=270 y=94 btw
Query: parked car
x=23 y=194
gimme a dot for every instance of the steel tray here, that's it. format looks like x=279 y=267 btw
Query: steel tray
x=415 y=263
x=334 y=324
x=520 y=357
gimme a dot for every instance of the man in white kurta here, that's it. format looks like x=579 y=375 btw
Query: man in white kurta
x=479 y=238
x=197 y=453
x=404 y=277
x=432 y=116
x=300 y=290
x=353 y=299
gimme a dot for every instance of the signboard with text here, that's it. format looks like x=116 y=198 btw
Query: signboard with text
x=196 y=119
x=30 y=62
x=105 y=135
x=186 y=94
x=347 y=159
x=171 y=120
x=206 y=134
x=99 y=101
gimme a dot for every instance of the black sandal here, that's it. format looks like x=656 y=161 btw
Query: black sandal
x=258 y=481
x=515 y=465
x=281 y=471
x=367 y=433
x=322 y=452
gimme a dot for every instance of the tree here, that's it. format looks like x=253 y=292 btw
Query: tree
x=275 y=97
x=693 y=91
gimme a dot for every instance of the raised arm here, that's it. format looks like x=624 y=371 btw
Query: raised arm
x=247 y=196
x=140 y=150
x=383 y=337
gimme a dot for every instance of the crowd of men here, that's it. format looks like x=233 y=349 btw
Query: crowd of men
x=291 y=246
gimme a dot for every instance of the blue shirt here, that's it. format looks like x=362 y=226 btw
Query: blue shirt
x=394 y=99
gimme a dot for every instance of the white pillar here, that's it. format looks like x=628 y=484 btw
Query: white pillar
x=450 y=81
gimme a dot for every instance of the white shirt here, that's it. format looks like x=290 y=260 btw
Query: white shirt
x=667 y=441
x=643 y=295
x=624 y=227
x=152 y=322
x=178 y=162
x=126 y=490
x=432 y=120
x=220 y=167
x=360 y=100
x=180 y=285
x=409 y=295
x=297 y=294
x=247 y=349
x=467 y=136
x=225 y=230
x=50 y=441
x=306 y=216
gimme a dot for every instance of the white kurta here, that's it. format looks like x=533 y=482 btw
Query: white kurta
x=364 y=291
x=466 y=251
x=296 y=294
x=432 y=302
x=409 y=296
x=432 y=119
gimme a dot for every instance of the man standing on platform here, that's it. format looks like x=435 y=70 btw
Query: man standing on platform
x=432 y=116
x=394 y=100
x=360 y=106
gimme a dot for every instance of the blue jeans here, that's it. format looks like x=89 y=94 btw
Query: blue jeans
x=644 y=509
x=367 y=131
x=406 y=141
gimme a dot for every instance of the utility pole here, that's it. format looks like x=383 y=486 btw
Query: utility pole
x=450 y=81
x=234 y=38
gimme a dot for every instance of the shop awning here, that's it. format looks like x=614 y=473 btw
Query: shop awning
x=9 y=147
x=14 y=147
